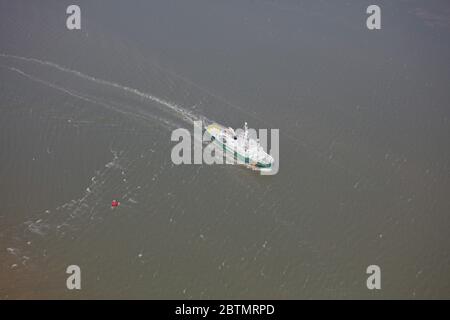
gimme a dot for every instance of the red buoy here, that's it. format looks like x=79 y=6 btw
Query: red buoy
x=115 y=203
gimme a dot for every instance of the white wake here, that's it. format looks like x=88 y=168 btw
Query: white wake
x=180 y=111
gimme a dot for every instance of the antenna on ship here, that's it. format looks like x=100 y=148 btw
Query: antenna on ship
x=245 y=131
x=246 y=136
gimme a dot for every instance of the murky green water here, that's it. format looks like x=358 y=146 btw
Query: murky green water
x=364 y=158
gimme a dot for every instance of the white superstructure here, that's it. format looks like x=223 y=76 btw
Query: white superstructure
x=244 y=149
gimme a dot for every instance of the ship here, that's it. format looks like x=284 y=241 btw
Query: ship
x=240 y=146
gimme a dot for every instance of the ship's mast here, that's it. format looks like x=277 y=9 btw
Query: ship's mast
x=246 y=136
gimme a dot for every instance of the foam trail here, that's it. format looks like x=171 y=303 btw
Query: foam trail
x=174 y=107
x=54 y=86
x=87 y=98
